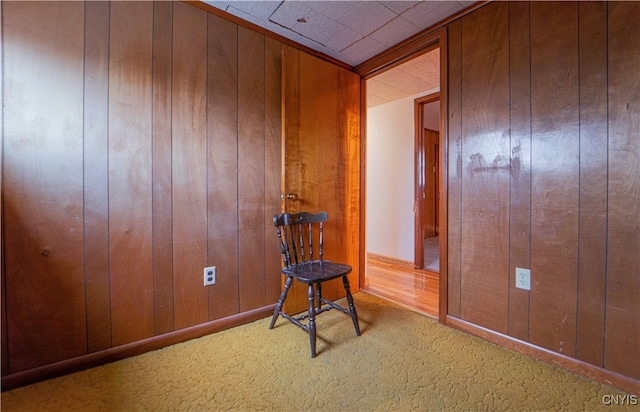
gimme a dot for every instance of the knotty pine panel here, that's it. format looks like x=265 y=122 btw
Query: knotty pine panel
x=96 y=178
x=454 y=197
x=592 y=268
x=189 y=164
x=555 y=175
x=520 y=181
x=222 y=187
x=42 y=188
x=161 y=169
x=130 y=174
x=251 y=161
x=486 y=167
x=623 y=238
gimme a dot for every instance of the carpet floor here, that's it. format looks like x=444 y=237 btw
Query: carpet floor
x=403 y=361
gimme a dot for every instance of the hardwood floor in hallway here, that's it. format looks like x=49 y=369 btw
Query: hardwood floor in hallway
x=414 y=288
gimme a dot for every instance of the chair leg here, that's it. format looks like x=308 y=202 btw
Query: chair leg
x=283 y=296
x=319 y=294
x=352 y=308
x=312 y=321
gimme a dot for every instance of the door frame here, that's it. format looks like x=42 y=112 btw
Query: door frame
x=419 y=175
x=402 y=53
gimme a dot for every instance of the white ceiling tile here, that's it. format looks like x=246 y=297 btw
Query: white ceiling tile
x=289 y=12
x=318 y=27
x=263 y=9
x=342 y=39
x=395 y=31
x=399 y=6
x=367 y=17
x=421 y=11
x=332 y=9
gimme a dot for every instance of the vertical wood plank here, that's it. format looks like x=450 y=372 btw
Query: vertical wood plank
x=130 y=182
x=348 y=120
x=42 y=172
x=251 y=161
x=273 y=164
x=520 y=181
x=555 y=175
x=454 y=164
x=189 y=159
x=486 y=167
x=96 y=179
x=623 y=233
x=161 y=132
x=4 y=355
x=593 y=182
x=222 y=175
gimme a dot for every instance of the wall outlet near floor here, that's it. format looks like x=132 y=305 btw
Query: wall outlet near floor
x=523 y=278
x=210 y=276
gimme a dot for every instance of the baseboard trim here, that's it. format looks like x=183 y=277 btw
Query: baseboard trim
x=391 y=261
x=605 y=376
x=91 y=360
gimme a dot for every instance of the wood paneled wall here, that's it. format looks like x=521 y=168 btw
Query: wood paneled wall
x=544 y=114
x=142 y=143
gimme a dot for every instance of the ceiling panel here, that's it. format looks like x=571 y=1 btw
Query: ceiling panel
x=355 y=31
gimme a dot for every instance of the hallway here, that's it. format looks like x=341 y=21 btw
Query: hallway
x=414 y=288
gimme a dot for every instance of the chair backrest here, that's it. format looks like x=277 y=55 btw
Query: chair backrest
x=300 y=236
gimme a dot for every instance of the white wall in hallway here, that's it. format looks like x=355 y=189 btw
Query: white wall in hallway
x=390 y=178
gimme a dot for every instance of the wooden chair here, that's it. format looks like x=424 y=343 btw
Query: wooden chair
x=300 y=235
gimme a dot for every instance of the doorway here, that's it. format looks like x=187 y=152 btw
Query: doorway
x=393 y=268
x=427 y=178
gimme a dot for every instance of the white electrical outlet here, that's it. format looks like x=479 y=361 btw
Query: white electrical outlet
x=210 y=276
x=523 y=278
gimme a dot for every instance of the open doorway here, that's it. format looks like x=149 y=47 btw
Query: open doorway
x=427 y=178
x=392 y=236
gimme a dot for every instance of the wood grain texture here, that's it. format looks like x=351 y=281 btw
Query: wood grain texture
x=623 y=232
x=520 y=179
x=348 y=109
x=4 y=355
x=454 y=166
x=251 y=173
x=222 y=183
x=555 y=175
x=486 y=167
x=161 y=169
x=322 y=157
x=574 y=193
x=189 y=167
x=130 y=174
x=272 y=165
x=592 y=267
x=96 y=179
x=42 y=188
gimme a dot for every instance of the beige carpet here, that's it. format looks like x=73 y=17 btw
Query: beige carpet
x=402 y=362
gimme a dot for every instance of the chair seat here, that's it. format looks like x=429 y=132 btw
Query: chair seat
x=317 y=271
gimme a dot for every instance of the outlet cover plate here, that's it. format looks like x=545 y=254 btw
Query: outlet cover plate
x=210 y=276
x=523 y=278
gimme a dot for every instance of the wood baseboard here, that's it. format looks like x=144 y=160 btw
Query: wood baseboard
x=390 y=261
x=605 y=376
x=131 y=349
